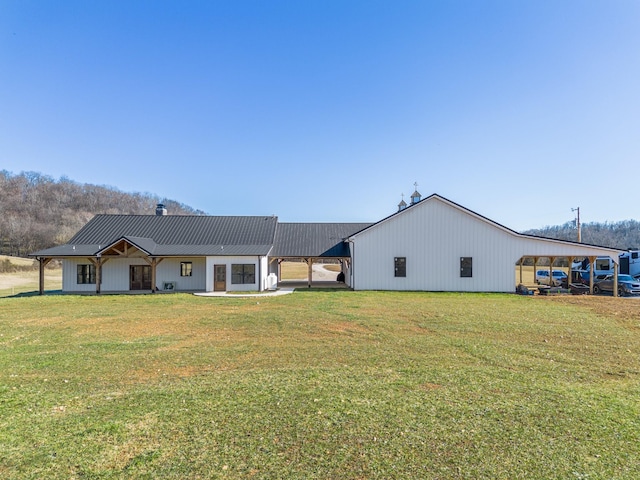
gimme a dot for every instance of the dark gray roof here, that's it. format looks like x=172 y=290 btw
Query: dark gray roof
x=178 y=229
x=314 y=239
x=173 y=235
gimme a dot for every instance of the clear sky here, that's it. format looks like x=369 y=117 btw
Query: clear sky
x=323 y=111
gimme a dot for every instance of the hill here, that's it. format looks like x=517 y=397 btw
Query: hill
x=38 y=212
x=624 y=235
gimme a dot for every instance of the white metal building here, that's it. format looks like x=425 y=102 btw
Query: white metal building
x=437 y=245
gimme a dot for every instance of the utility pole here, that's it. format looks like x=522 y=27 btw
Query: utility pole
x=577 y=209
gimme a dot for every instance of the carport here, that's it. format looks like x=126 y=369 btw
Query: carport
x=313 y=243
x=552 y=249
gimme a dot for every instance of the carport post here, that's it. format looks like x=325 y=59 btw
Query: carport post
x=521 y=262
x=592 y=262
x=310 y=271
x=570 y=277
x=615 y=279
x=551 y=262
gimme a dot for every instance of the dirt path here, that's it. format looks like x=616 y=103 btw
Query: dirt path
x=321 y=274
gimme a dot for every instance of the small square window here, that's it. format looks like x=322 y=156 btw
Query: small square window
x=186 y=269
x=466 y=267
x=400 y=265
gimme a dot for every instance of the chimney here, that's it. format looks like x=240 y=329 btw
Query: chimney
x=160 y=210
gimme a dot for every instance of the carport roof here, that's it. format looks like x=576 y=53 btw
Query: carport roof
x=314 y=239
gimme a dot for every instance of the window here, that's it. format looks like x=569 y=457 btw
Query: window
x=243 y=273
x=185 y=269
x=466 y=264
x=634 y=255
x=400 y=264
x=86 y=273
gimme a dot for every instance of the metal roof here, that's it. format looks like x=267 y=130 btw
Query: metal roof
x=314 y=239
x=173 y=235
x=179 y=229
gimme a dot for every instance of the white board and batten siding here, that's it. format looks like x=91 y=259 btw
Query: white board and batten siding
x=168 y=270
x=433 y=235
x=115 y=274
x=261 y=271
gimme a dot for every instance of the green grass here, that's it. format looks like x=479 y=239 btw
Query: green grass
x=319 y=384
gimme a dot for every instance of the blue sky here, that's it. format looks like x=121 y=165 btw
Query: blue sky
x=325 y=110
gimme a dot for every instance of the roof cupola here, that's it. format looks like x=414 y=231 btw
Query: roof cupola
x=415 y=196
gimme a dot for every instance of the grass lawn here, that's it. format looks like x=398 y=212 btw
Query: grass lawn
x=320 y=384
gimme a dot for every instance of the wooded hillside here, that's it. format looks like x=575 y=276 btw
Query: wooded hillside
x=38 y=212
x=624 y=235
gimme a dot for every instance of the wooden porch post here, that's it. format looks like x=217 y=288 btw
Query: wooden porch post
x=615 y=279
x=153 y=275
x=551 y=261
x=41 y=281
x=43 y=262
x=98 y=274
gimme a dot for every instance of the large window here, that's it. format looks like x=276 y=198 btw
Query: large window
x=400 y=265
x=466 y=267
x=86 y=273
x=186 y=269
x=243 y=273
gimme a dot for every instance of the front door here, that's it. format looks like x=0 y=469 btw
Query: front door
x=140 y=277
x=219 y=278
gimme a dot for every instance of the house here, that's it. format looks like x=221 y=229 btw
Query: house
x=430 y=245
x=132 y=253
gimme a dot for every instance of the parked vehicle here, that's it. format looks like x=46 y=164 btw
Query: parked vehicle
x=629 y=264
x=584 y=277
x=627 y=285
x=542 y=278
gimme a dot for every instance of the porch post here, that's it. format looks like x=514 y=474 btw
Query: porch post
x=309 y=271
x=153 y=275
x=98 y=265
x=615 y=279
x=41 y=281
